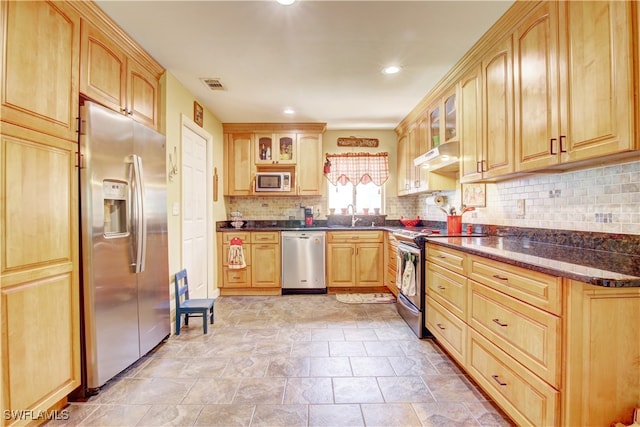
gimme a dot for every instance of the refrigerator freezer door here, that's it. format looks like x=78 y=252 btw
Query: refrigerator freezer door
x=109 y=285
x=153 y=281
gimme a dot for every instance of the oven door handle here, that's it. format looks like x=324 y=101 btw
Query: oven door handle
x=405 y=302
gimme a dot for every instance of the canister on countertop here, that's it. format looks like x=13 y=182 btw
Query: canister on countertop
x=469 y=229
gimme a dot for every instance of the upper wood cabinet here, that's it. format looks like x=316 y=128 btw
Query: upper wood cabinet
x=443 y=120
x=573 y=88
x=41 y=45
x=254 y=147
x=308 y=169
x=497 y=111
x=238 y=164
x=275 y=149
x=470 y=106
x=112 y=77
x=596 y=87
x=403 y=185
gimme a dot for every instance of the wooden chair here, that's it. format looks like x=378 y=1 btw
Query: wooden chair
x=190 y=307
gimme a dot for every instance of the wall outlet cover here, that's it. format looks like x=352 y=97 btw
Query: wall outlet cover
x=520 y=203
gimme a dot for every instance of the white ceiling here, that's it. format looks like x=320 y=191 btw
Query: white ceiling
x=321 y=58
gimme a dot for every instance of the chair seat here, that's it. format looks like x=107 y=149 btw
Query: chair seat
x=199 y=304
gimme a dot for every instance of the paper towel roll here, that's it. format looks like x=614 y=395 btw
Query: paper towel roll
x=439 y=200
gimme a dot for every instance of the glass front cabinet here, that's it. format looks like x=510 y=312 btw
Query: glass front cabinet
x=275 y=148
x=443 y=123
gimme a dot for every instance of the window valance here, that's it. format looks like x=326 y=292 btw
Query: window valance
x=357 y=168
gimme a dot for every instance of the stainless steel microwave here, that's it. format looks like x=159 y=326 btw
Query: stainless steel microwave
x=273 y=181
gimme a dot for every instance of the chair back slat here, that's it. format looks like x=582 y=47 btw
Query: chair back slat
x=181 y=290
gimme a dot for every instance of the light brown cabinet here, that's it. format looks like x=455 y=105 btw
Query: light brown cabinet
x=239 y=168
x=536 y=343
x=309 y=175
x=496 y=157
x=402 y=177
x=110 y=76
x=355 y=258
x=273 y=147
x=391 y=255
x=41 y=52
x=470 y=106
x=39 y=255
x=261 y=251
x=574 y=98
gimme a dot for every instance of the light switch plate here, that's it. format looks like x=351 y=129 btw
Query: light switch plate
x=176 y=208
x=520 y=206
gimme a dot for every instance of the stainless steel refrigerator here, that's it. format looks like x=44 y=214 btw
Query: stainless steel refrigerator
x=123 y=215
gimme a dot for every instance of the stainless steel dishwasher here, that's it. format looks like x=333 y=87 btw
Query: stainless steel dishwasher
x=303 y=262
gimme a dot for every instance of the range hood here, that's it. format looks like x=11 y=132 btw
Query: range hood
x=443 y=158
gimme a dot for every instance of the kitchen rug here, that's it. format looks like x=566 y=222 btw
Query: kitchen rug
x=383 y=298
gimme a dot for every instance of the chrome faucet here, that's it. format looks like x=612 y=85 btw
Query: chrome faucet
x=353 y=215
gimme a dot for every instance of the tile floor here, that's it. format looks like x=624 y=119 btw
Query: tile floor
x=298 y=360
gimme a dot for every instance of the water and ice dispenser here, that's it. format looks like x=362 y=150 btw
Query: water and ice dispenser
x=114 y=195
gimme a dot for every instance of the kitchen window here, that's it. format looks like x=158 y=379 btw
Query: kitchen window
x=356 y=179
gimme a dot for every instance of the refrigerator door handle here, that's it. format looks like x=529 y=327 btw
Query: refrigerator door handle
x=140 y=233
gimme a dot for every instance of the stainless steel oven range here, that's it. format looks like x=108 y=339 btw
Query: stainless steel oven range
x=410 y=280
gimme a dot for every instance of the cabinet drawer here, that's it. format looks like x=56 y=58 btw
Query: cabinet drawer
x=448 y=258
x=448 y=329
x=529 y=335
x=242 y=235
x=449 y=289
x=523 y=396
x=539 y=289
x=265 y=237
x=246 y=250
x=374 y=236
x=237 y=278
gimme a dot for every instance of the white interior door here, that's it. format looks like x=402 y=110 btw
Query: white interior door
x=194 y=210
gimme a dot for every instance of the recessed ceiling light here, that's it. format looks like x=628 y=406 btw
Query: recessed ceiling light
x=286 y=2
x=288 y=111
x=392 y=69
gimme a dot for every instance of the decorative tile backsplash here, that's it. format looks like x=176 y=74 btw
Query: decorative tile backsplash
x=604 y=199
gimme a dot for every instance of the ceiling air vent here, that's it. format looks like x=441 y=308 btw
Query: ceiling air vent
x=213 y=83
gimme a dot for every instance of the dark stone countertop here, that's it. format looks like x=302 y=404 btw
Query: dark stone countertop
x=601 y=268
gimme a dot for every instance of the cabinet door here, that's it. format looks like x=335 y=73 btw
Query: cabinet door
x=41 y=51
x=498 y=110
x=470 y=126
x=369 y=261
x=266 y=265
x=309 y=167
x=341 y=264
x=239 y=166
x=450 y=117
x=598 y=87
x=403 y=153
x=536 y=77
x=39 y=261
x=143 y=92
x=413 y=173
x=103 y=70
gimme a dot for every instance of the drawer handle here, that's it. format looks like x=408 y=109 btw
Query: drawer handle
x=442 y=288
x=441 y=256
x=499 y=323
x=439 y=325
x=500 y=277
x=497 y=379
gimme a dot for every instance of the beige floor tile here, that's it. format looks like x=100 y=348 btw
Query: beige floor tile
x=280 y=416
x=404 y=389
x=170 y=415
x=257 y=391
x=356 y=390
x=453 y=388
x=371 y=367
x=346 y=348
x=212 y=391
x=390 y=415
x=335 y=415
x=289 y=367
x=330 y=367
x=308 y=390
x=116 y=415
x=225 y=416
x=445 y=414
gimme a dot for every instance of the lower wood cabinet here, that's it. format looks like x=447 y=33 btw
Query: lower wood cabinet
x=261 y=251
x=391 y=256
x=355 y=258
x=549 y=351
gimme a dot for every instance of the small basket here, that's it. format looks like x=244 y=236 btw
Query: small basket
x=409 y=222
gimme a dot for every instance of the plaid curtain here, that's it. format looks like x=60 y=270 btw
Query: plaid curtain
x=358 y=168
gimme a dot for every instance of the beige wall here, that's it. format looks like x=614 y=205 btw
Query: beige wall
x=178 y=101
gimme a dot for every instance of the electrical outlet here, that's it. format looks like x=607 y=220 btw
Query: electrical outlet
x=520 y=206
